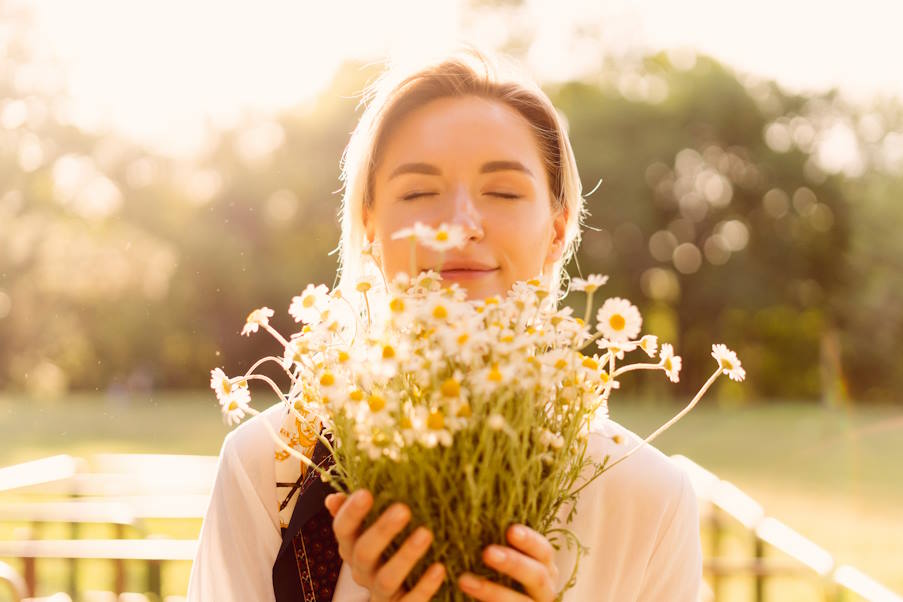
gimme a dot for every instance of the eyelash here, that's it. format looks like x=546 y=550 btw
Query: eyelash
x=503 y=195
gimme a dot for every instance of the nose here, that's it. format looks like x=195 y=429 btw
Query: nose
x=465 y=214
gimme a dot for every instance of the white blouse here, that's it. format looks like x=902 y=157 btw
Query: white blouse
x=639 y=520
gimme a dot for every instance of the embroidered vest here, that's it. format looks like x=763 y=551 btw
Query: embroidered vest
x=308 y=563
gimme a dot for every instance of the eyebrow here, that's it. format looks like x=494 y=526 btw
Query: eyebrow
x=432 y=170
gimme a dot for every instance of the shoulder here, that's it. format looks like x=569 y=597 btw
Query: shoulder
x=249 y=436
x=249 y=447
x=648 y=480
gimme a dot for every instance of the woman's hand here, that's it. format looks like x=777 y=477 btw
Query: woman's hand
x=362 y=551
x=530 y=561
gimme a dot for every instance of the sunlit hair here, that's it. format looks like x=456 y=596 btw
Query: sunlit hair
x=396 y=92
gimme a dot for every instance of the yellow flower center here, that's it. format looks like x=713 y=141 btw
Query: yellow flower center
x=396 y=305
x=327 y=379
x=451 y=388
x=227 y=387
x=376 y=402
x=442 y=235
x=439 y=312
x=363 y=287
x=617 y=322
x=494 y=374
x=405 y=422
x=726 y=364
x=356 y=395
x=308 y=301
x=462 y=338
x=464 y=411
x=590 y=363
x=561 y=364
x=343 y=356
x=388 y=352
x=435 y=421
x=233 y=405
x=668 y=364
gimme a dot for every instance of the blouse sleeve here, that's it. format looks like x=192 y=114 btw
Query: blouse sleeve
x=238 y=542
x=674 y=571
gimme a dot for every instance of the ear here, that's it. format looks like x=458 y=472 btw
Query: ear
x=559 y=230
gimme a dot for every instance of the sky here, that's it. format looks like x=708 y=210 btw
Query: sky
x=166 y=72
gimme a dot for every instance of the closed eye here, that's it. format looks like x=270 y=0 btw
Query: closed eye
x=504 y=195
x=414 y=195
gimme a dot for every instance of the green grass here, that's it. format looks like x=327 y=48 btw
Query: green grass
x=834 y=475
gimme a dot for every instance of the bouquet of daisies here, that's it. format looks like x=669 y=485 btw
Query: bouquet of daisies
x=474 y=413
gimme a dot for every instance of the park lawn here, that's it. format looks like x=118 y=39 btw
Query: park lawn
x=834 y=475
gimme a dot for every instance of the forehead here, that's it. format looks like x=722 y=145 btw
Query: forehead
x=467 y=130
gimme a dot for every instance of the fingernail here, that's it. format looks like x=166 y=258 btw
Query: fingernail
x=398 y=513
x=495 y=554
x=359 y=499
x=470 y=582
x=518 y=533
x=421 y=537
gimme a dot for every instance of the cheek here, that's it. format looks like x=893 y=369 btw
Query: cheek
x=523 y=237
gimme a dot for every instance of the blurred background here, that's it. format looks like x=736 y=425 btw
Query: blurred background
x=166 y=167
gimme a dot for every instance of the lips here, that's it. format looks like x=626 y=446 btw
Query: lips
x=466 y=266
x=465 y=270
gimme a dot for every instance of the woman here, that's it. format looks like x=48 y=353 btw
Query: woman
x=455 y=142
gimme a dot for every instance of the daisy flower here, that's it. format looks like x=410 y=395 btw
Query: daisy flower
x=728 y=362
x=411 y=232
x=670 y=362
x=235 y=405
x=366 y=283
x=310 y=304
x=618 y=319
x=256 y=319
x=649 y=344
x=592 y=283
x=443 y=238
x=616 y=348
x=220 y=383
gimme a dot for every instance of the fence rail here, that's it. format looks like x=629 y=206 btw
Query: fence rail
x=125 y=490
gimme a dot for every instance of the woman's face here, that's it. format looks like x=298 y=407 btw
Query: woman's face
x=473 y=162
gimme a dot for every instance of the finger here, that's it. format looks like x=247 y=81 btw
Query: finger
x=348 y=520
x=534 y=575
x=428 y=585
x=334 y=501
x=484 y=589
x=371 y=543
x=531 y=543
x=391 y=575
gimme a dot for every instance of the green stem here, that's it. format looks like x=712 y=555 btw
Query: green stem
x=677 y=417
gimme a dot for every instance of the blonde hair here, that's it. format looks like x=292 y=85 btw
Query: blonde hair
x=397 y=91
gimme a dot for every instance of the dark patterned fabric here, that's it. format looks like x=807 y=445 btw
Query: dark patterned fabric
x=308 y=564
